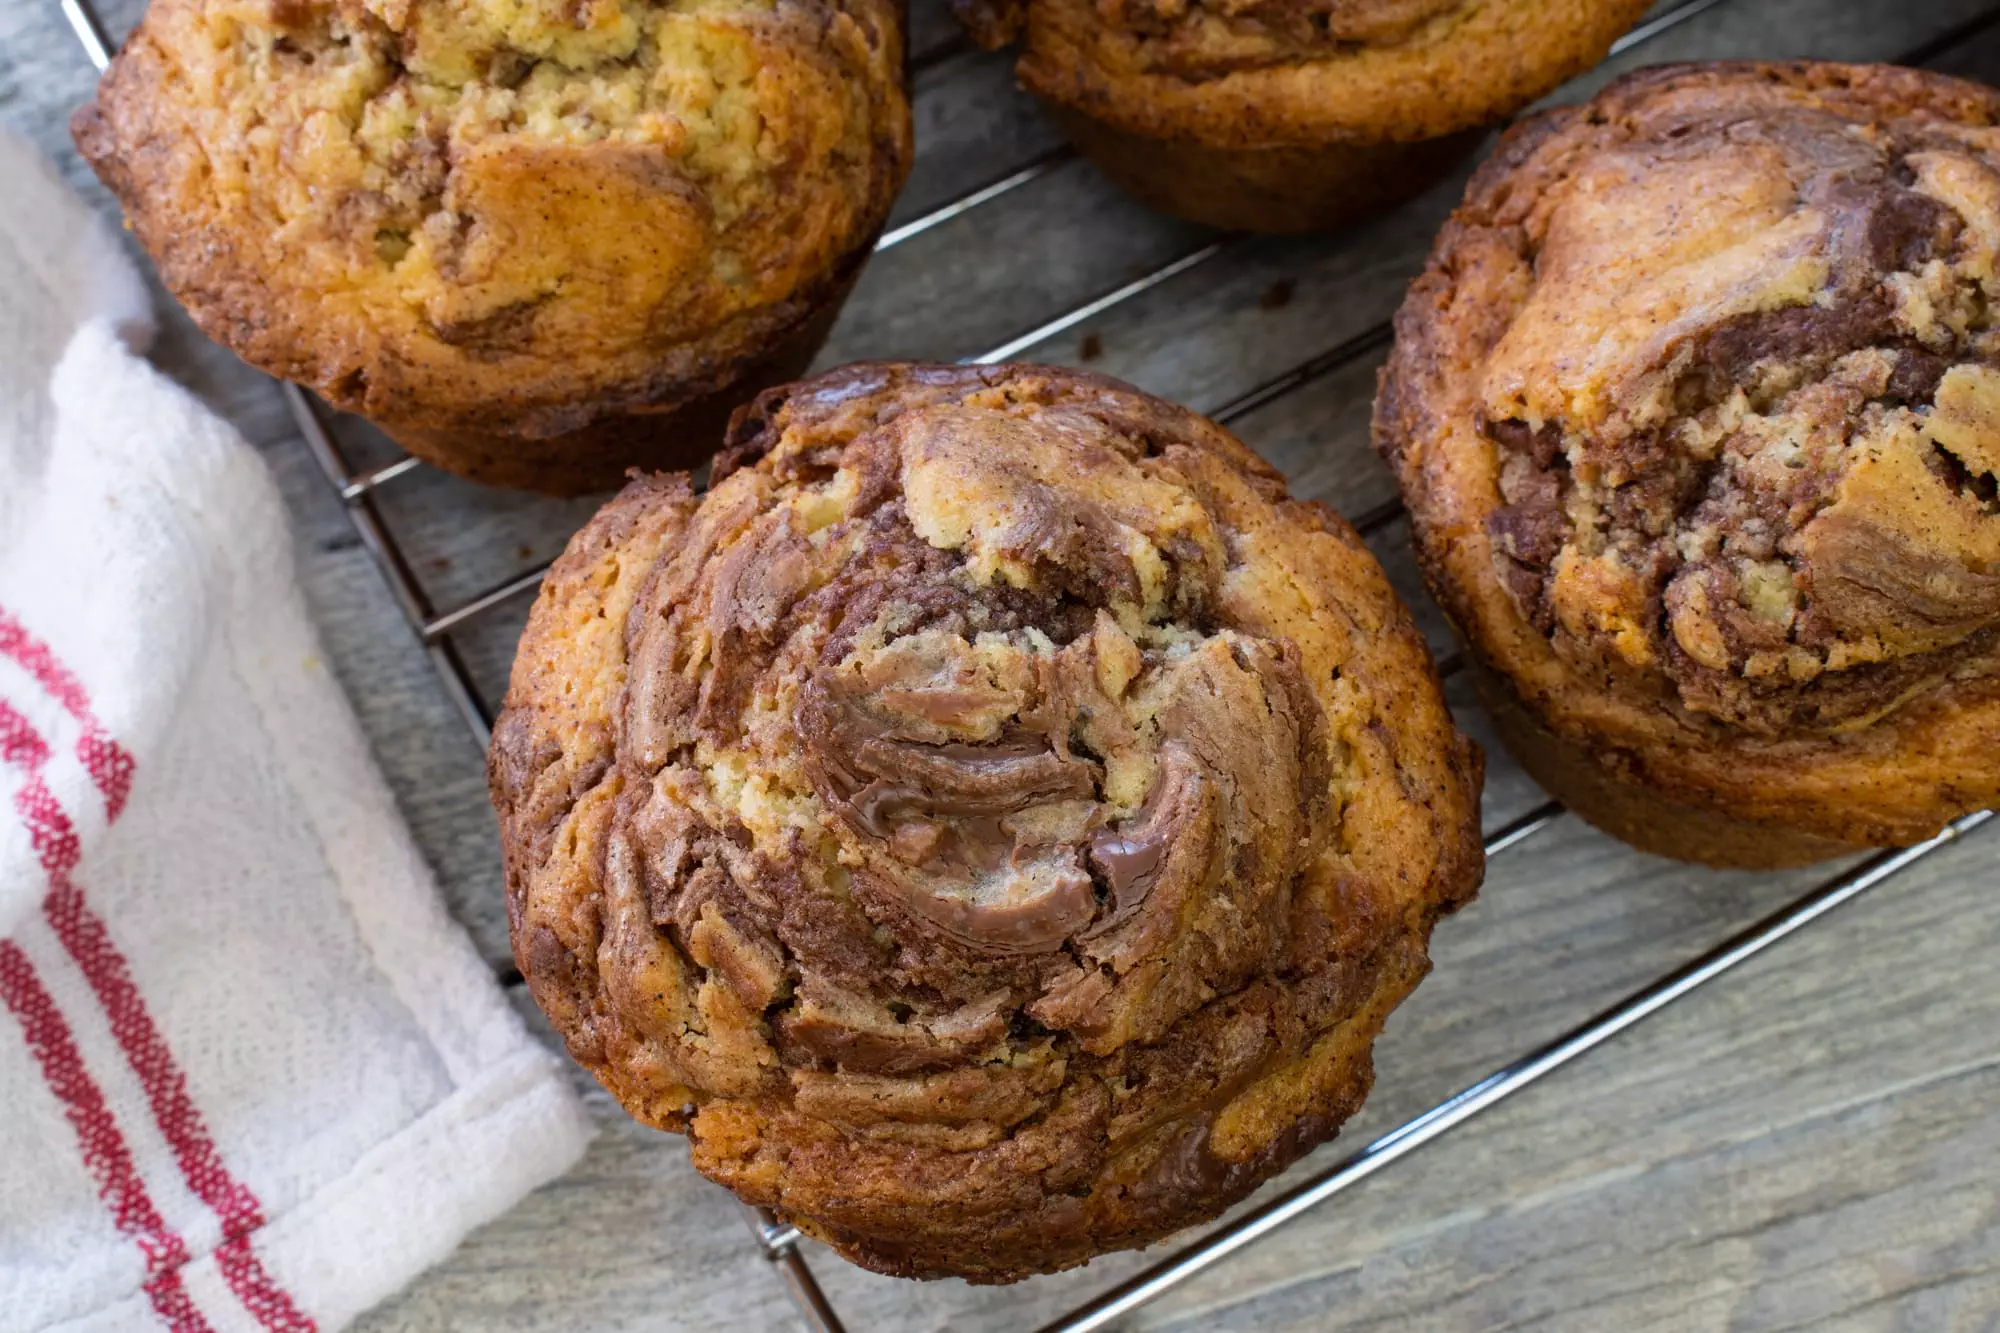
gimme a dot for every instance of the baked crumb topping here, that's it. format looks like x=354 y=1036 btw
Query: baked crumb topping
x=362 y=113
x=493 y=208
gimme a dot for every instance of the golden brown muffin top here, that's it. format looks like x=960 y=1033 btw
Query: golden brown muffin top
x=1243 y=73
x=1703 y=387
x=993 y=821
x=495 y=207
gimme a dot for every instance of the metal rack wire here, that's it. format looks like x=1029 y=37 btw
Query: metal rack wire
x=780 y=1242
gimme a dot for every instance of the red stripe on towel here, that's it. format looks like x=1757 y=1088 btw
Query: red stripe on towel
x=108 y=763
x=85 y=936
x=99 y=1139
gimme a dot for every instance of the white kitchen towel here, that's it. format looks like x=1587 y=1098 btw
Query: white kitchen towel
x=251 y=1074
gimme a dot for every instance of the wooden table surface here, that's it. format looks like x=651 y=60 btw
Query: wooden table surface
x=1813 y=1141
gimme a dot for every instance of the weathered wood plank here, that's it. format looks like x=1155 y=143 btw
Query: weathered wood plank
x=973 y=126
x=933 y=33
x=1004 y=268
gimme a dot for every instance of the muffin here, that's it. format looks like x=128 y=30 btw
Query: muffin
x=535 y=243
x=1278 y=116
x=992 y=823
x=1697 y=412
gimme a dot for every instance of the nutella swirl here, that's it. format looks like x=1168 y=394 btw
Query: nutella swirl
x=1710 y=367
x=993 y=779
x=1769 y=476
x=1209 y=38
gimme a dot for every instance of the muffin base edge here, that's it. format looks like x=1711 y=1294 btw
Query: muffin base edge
x=1640 y=816
x=1276 y=189
x=673 y=437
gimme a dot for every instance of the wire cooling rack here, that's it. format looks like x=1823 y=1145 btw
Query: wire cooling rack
x=779 y=1241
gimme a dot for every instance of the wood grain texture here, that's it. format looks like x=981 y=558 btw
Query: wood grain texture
x=1812 y=1143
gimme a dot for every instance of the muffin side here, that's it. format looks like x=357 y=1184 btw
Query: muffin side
x=1316 y=112
x=481 y=223
x=993 y=823
x=1691 y=410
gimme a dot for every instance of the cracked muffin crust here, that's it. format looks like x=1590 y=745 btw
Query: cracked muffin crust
x=993 y=822
x=536 y=243
x=1697 y=410
x=1290 y=115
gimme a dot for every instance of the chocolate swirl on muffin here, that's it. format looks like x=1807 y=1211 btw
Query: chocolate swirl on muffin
x=1193 y=40
x=993 y=822
x=536 y=243
x=1698 y=411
